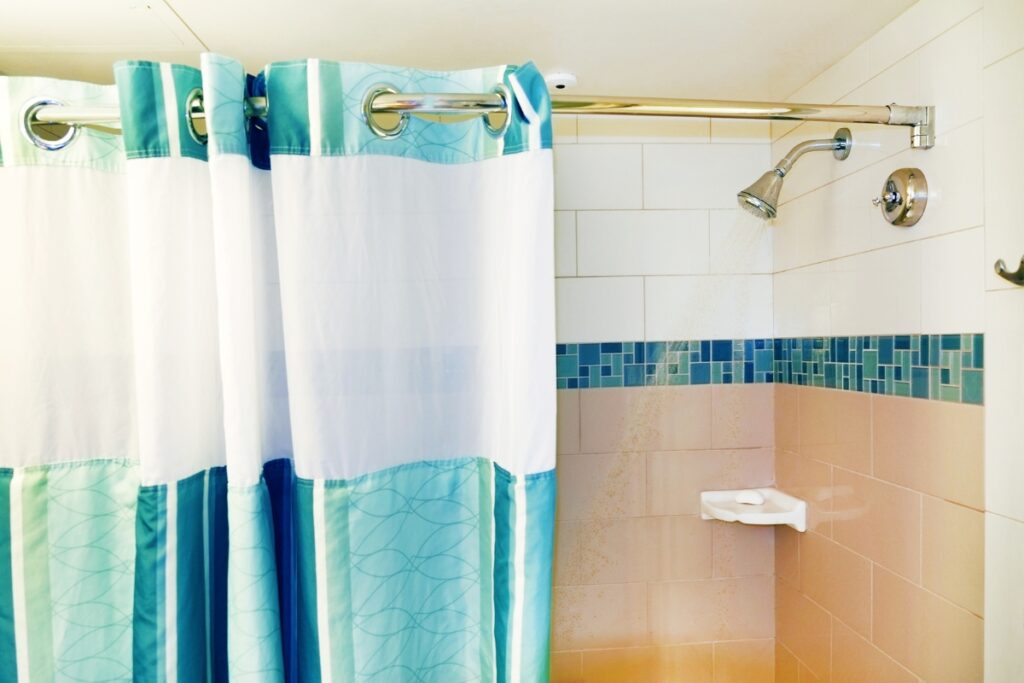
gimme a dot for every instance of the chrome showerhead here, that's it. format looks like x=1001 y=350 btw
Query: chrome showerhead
x=762 y=198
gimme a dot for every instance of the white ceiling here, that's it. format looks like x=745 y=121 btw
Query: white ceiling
x=737 y=49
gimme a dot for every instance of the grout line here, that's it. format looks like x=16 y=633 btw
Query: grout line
x=878 y=249
x=576 y=240
x=1003 y=58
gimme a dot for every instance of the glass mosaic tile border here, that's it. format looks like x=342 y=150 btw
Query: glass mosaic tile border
x=942 y=367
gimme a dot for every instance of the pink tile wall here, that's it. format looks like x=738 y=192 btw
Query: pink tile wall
x=644 y=589
x=887 y=585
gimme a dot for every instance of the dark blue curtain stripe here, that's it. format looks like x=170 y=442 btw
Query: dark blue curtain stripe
x=217 y=494
x=256 y=131
x=279 y=477
x=8 y=658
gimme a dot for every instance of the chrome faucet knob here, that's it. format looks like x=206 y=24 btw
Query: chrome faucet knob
x=887 y=198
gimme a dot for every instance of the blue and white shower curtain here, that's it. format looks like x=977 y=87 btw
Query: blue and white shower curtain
x=277 y=403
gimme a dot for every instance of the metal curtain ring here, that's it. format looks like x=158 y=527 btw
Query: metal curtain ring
x=195 y=111
x=368 y=113
x=506 y=97
x=28 y=118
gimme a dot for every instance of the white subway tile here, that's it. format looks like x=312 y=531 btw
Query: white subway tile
x=1004 y=178
x=700 y=176
x=740 y=243
x=878 y=292
x=708 y=306
x=740 y=130
x=1004 y=28
x=592 y=309
x=827 y=87
x=642 y=242
x=565 y=243
x=922 y=22
x=609 y=128
x=1004 y=402
x=953 y=282
x=802 y=302
x=1004 y=599
x=949 y=75
x=598 y=177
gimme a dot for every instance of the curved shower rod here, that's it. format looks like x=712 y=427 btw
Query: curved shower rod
x=921 y=119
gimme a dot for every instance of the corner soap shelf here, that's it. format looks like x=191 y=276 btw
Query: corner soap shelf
x=777 y=508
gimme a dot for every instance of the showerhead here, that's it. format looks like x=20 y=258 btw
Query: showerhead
x=762 y=198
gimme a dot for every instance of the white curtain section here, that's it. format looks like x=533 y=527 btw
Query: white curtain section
x=67 y=379
x=277 y=401
x=415 y=310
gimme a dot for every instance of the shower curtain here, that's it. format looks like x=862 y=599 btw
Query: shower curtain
x=277 y=400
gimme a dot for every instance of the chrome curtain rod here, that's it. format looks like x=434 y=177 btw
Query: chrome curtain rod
x=920 y=119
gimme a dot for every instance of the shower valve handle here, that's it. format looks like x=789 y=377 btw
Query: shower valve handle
x=892 y=197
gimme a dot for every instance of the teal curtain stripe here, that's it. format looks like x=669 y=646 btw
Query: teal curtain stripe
x=339 y=597
x=8 y=658
x=191 y=580
x=288 y=124
x=186 y=80
x=306 y=625
x=485 y=560
x=531 y=82
x=416 y=579
x=36 y=552
x=147 y=625
x=540 y=547
x=504 y=569
x=254 y=631
x=91 y=544
x=419 y=575
x=141 y=96
x=223 y=98
x=332 y=109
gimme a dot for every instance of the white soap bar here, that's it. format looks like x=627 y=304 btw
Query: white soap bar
x=750 y=498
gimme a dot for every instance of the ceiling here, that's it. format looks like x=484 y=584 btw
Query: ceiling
x=736 y=49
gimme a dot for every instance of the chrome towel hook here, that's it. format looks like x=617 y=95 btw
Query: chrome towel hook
x=1016 y=277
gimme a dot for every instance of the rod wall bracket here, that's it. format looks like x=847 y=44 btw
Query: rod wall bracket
x=922 y=134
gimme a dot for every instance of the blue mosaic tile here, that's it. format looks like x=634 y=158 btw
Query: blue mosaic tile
x=946 y=367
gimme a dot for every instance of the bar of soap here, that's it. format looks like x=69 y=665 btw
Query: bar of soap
x=750 y=498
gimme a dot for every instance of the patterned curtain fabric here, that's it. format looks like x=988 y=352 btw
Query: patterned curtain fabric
x=276 y=397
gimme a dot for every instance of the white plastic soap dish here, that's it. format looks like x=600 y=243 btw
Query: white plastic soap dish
x=754 y=506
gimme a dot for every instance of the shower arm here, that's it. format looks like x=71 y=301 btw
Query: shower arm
x=786 y=162
x=921 y=119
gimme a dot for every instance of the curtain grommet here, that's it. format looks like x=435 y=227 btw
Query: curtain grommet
x=500 y=130
x=368 y=113
x=195 y=115
x=28 y=120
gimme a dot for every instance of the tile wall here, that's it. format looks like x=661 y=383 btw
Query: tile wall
x=895 y=580
x=651 y=248
x=892 y=582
